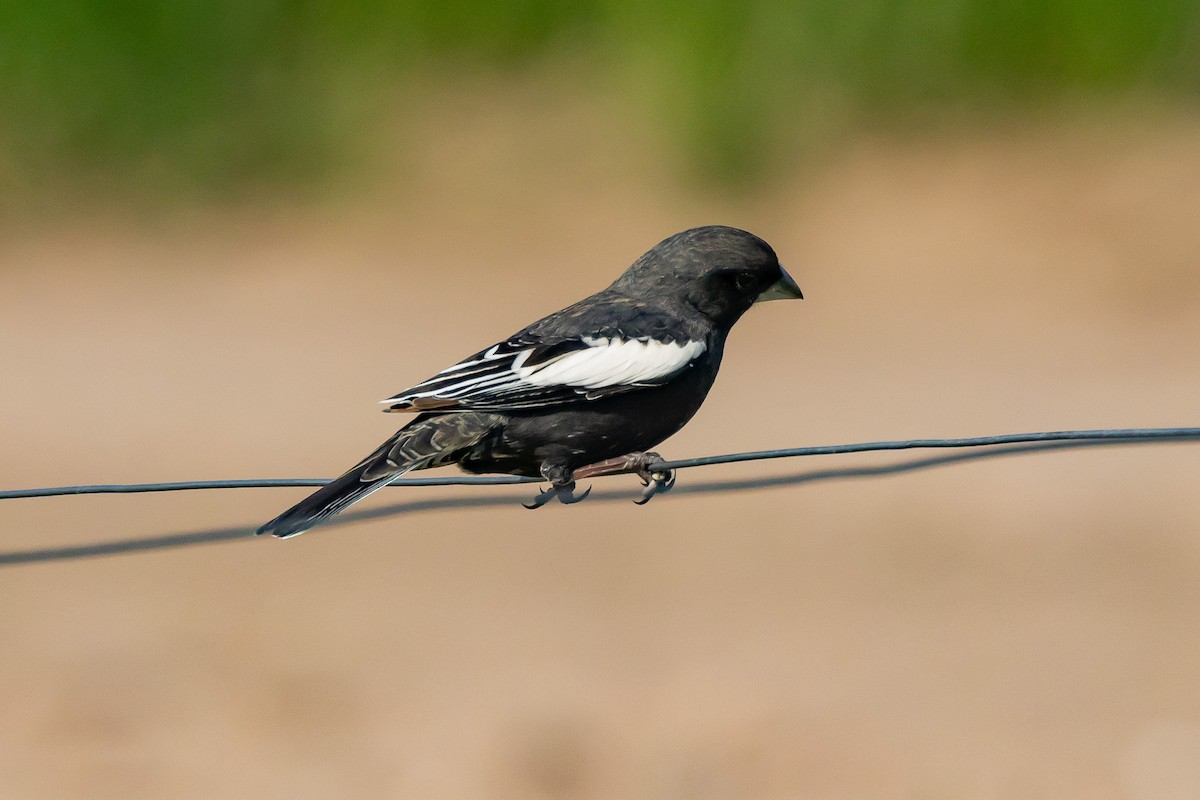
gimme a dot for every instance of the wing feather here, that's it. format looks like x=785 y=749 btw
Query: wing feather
x=524 y=374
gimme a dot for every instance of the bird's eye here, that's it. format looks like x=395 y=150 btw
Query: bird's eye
x=745 y=280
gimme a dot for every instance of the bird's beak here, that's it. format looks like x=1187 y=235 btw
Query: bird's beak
x=783 y=289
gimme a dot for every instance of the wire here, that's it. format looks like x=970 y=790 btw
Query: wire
x=1122 y=434
x=248 y=483
x=1118 y=434
x=1004 y=445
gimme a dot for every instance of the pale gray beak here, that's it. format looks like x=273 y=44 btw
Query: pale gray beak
x=783 y=289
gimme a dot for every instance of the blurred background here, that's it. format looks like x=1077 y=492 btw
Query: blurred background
x=229 y=228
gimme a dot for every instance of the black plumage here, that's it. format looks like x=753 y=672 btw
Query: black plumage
x=584 y=391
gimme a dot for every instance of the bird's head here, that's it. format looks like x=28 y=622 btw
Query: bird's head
x=720 y=271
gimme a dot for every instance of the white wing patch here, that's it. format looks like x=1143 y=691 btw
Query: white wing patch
x=610 y=362
x=499 y=376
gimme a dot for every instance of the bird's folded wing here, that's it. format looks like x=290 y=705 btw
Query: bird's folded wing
x=529 y=372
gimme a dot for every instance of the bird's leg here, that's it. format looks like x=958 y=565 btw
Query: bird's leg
x=562 y=486
x=655 y=481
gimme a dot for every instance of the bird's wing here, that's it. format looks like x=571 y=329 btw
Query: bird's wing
x=530 y=371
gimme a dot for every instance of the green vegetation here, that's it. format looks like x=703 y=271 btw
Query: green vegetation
x=206 y=96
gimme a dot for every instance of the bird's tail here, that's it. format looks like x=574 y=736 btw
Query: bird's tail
x=325 y=502
x=427 y=441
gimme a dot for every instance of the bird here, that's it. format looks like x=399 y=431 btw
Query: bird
x=585 y=391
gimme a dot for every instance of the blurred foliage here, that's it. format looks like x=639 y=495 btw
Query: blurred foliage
x=222 y=94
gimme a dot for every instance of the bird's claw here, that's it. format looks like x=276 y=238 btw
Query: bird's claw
x=543 y=497
x=565 y=494
x=568 y=496
x=659 y=482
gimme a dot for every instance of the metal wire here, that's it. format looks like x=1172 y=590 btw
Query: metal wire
x=1003 y=445
x=1126 y=434
x=1117 y=434
x=249 y=483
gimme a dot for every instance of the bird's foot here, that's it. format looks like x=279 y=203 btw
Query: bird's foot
x=562 y=486
x=565 y=494
x=659 y=482
x=656 y=481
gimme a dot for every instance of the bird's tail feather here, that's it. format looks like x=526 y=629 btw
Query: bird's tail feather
x=426 y=441
x=325 y=502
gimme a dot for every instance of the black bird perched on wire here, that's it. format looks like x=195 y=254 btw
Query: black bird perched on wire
x=585 y=391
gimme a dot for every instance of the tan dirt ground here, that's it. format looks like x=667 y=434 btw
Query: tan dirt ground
x=1012 y=628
